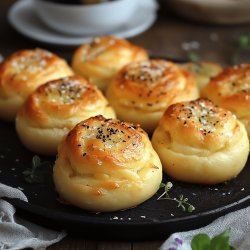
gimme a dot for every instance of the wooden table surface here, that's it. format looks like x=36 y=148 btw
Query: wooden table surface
x=169 y=36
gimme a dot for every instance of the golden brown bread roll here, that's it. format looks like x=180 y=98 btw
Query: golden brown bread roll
x=202 y=71
x=199 y=142
x=141 y=91
x=55 y=108
x=231 y=90
x=101 y=59
x=22 y=73
x=106 y=165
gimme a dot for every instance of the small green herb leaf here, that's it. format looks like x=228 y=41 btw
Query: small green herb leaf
x=162 y=185
x=242 y=44
x=37 y=172
x=36 y=161
x=200 y=242
x=193 y=57
x=191 y=208
x=221 y=241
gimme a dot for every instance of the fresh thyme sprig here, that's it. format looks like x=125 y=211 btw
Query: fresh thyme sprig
x=182 y=201
x=37 y=172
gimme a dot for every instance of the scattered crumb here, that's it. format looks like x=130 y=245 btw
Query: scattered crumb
x=17 y=160
x=2 y=156
x=172 y=215
x=242 y=189
x=13 y=169
x=143 y=216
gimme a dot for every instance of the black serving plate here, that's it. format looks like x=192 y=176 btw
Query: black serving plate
x=154 y=219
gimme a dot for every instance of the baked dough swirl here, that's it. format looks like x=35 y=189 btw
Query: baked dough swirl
x=202 y=71
x=22 y=72
x=231 y=90
x=101 y=59
x=55 y=108
x=106 y=165
x=199 y=142
x=142 y=91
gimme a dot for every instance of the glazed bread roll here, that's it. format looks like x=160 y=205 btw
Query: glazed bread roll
x=55 y=108
x=202 y=71
x=106 y=165
x=142 y=91
x=231 y=90
x=22 y=73
x=199 y=142
x=101 y=59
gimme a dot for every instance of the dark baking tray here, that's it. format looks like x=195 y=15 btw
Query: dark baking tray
x=154 y=219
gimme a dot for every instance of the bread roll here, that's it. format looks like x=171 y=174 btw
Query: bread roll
x=231 y=90
x=101 y=59
x=106 y=165
x=199 y=142
x=22 y=73
x=142 y=91
x=55 y=108
x=202 y=71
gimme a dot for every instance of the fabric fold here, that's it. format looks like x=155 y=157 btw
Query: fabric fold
x=17 y=233
x=238 y=222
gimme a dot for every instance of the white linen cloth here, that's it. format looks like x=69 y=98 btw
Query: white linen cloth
x=17 y=233
x=238 y=222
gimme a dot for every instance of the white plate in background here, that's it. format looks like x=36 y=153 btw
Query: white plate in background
x=23 y=18
x=212 y=11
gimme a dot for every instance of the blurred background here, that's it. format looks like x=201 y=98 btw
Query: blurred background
x=180 y=29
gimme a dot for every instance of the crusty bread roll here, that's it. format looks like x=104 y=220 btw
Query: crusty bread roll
x=22 y=73
x=55 y=108
x=106 y=165
x=231 y=90
x=199 y=142
x=101 y=59
x=202 y=71
x=141 y=91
